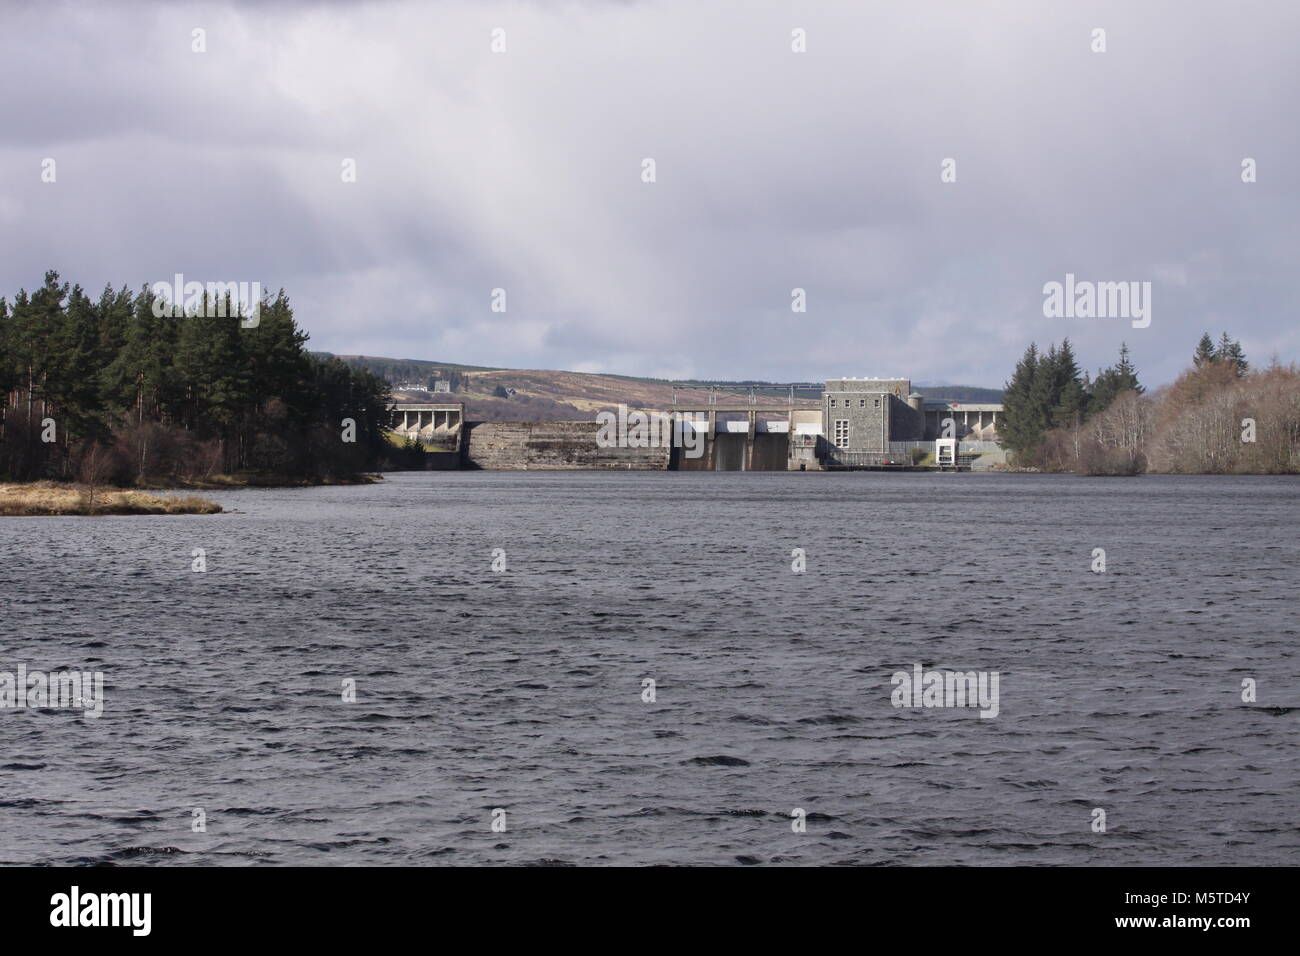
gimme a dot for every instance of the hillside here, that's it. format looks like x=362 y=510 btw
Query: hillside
x=547 y=395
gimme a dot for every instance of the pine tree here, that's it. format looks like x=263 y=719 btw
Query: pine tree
x=1224 y=347
x=1045 y=392
x=1110 y=382
x=114 y=310
x=278 y=360
x=1069 y=399
x=138 y=381
x=1237 y=358
x=73 y=385
x=1071 y=407
x=8 y=376
x=1022 y=427
x=1125 y=373
x=1204 y=353
x=36 y=327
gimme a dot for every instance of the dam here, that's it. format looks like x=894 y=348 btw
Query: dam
x=438 y=424
x=747 y=437
x=857 y=424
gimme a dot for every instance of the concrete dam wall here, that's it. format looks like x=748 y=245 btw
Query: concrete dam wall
x=550 y=446
x=572 y=446
x=738 y=452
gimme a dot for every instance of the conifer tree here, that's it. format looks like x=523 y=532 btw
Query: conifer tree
x=1223 y=348
x=1110 y=382
x=1021 y=427
x=166 y=387
x=1204 y=353
x=1126 y=377
x=7 y=380
x=1237 y=358
x=1069 y=400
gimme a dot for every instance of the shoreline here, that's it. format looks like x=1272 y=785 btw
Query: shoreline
x=229 y=482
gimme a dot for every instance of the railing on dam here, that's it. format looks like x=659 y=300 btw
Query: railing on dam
x=835 y=458
x=863 y=459
x=964 y=446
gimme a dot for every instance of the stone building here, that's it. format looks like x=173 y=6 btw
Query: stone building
x=885 y=416
x=864 y=415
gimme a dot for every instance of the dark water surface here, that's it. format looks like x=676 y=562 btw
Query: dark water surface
x=522 y=690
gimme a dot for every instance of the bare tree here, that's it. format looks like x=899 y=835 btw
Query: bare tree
x=94 y=466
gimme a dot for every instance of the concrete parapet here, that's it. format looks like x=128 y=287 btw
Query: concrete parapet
x=551 y=446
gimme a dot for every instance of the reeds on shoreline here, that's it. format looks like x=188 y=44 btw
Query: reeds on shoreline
x=54 y=498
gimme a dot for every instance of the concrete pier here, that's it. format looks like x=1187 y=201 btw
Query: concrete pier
x=439 y=424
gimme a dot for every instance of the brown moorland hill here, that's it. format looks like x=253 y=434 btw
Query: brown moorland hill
x=546 y=395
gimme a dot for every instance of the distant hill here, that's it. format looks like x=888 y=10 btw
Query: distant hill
x=959 y=393
x=403 y=370
x=550 y=395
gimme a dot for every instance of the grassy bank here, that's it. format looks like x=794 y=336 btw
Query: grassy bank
x=50 y=498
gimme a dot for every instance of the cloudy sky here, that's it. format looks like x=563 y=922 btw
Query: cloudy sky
x=774 y=170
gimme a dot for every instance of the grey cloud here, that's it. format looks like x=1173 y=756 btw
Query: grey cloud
x=775 y=170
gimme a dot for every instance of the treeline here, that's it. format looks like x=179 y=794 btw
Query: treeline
x=1219 y=417
x=1049 y=391
x=409 y=370
x=106 y=390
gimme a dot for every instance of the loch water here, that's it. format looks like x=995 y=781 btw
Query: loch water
x=525 y=689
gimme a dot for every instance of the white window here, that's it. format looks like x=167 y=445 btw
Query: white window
x=862 y=403
x=841 y=433
x=877 y=403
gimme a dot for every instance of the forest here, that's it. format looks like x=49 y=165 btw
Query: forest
x=105 y=390
x=1221 y=416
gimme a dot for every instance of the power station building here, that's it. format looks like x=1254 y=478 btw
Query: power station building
x=884 y=416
